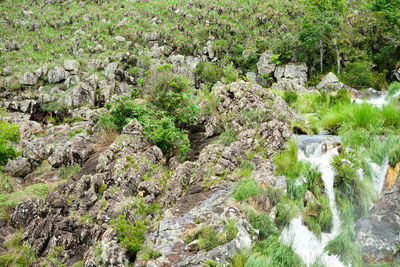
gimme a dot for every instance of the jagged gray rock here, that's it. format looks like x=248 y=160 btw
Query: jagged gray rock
x=19 y=167
x=57 y=74
x=28 y=78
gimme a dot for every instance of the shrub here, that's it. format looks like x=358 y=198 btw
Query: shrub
x=358 y=74
x=130 y=235
x=286 y=209
x=8 y=133
x=209 y=73
x=158 y=127
x=263 y=223
x=172 y=94
x=290 y=97
x=230 y=230
x=245 y=189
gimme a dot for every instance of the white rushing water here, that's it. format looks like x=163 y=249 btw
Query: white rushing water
x=319 y=150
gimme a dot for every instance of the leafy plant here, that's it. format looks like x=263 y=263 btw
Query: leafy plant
x=8 y=133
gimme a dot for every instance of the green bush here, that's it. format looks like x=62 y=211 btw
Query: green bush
x=209 y=73
x=172 y=94
x=287 y=209
x=159 y=128
x=290 y=97
x=358 y=74
x=245 y=189
x=8 y=133
x=341 y=96
x=263 y=223
x=227 y=137
x=130 y=235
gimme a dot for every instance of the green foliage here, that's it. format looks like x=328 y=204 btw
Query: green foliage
x=348 y=183
x=344 y=246
x=208 y=238
x=390 y=9
x=17 y=255
x=287 y=209
x=8 y=133
x=290 y=96
x=209 y=73
x=66 y=172
x=244 y=189
x=227 y=137
x=263 y=223
x=159 y=128
x=172 y=94
x=358 y=74
x=341 y=97
x=230 y=230
x=277 y=253
x=130 y=235
x=393 y=88
x=149 y=254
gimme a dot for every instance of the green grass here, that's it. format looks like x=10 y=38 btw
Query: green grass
x=17 y=255
x=393 y=89
x=244 y=189
x=343 y=245
x=66 y=172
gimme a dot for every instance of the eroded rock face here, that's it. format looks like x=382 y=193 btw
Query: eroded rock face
x=57 y=74
x=19 y=167
x=217 y=207
x=28 y=78
x=378 y=235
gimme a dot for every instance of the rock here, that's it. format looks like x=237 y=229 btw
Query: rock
x=297 y=72
x=111 y=68
x=28 y=78
x=151 y=36
x=36 y=149
x=264 y=64
x=19 y=167
x=83 y=94
x=329 y=81
x=72 y=66
x=150 y=188
x=397 y=74
x=25 y=212
x=7 y=71
x=378 y=234
x=210 y=50
x=57 y=74
x=12 y=46
x=120 y=39
x=76 y=150
x=252 y=76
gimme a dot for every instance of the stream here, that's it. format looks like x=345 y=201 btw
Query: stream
x=319 y=150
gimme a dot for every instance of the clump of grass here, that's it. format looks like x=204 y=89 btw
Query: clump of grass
x=17 y=253
x=227 y=137
x=244 y=189
x=208 y=238
x=66 y=172
x=393 y=89
x=343 y=245
x=263 y=223
x=275 y=253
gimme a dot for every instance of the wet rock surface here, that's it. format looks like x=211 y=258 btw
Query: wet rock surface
x=378 y=235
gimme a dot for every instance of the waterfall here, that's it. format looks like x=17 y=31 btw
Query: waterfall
x=319 y=151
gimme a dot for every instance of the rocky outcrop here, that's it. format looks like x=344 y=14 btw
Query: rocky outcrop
x=19 y=167
x=330 y=81
x=57 y=74
x=28 y=78
x=378 y=235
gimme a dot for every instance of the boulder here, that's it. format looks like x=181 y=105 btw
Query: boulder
x=111 y=68
x=25 y=212
x=396 y=74
x=72 y=66
x=264 y=64
x=28 y=78
x=83 y=94
x=297 y=72
x=19 y=167
x=378 y=234
x=329 y=81
x=57 y=74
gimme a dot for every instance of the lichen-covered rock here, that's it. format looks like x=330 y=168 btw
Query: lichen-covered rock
x=83 y=94
x=19 y=167
x=57 y=74
x=77 y=150
x=265 y=64
x=72 y=66
x=28 y=78
x=25 y=212
x=378 y=234
x=329 y=81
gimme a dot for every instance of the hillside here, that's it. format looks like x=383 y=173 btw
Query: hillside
x=199 y=133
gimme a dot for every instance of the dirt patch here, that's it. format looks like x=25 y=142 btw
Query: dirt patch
x=198 y=141
x=190 y=201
